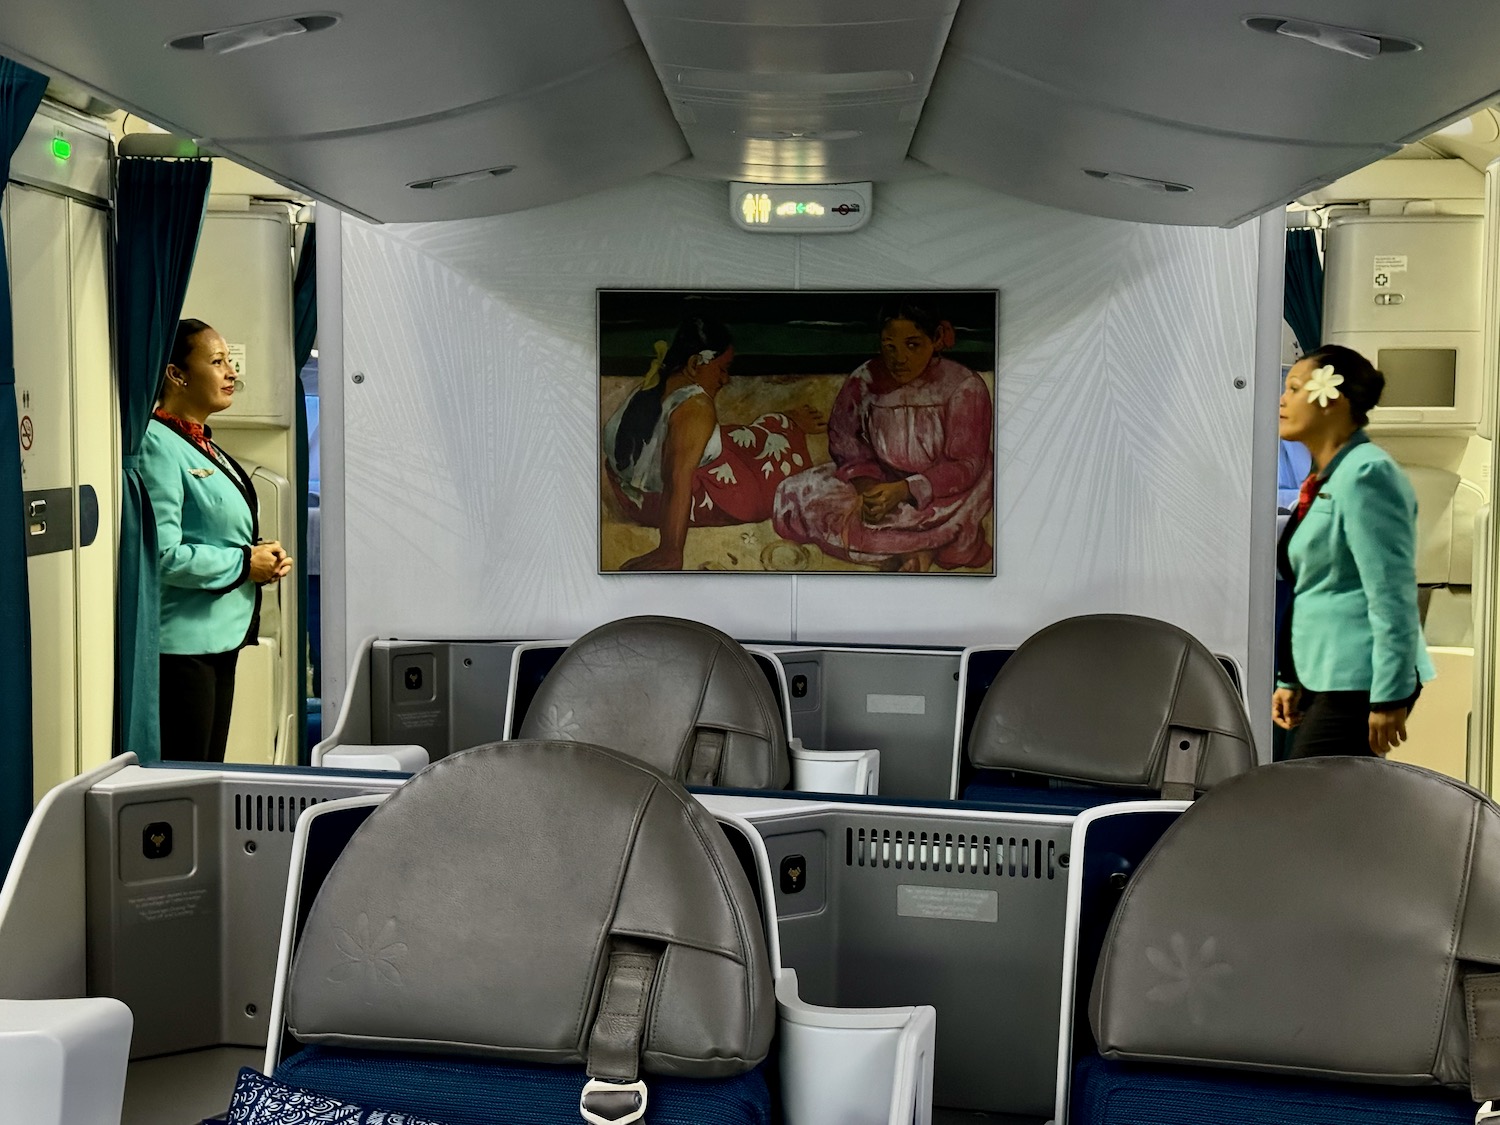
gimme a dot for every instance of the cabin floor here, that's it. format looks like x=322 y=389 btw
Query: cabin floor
x=978 y=1117
x=184 y=1089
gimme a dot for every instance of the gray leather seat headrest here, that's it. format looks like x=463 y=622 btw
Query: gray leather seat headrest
x=1104 y=699
x=477 y=911
x=679 y=695
x=1318 y=917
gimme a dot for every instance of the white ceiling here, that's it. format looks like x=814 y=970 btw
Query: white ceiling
x=1020 y=95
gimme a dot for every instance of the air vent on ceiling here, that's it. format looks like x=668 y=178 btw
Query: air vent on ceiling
x=1127 y=180
x=226 y=40
x=437 y=183
x=1344 y=40
x=999 y=856
x=794 y=82
x=270 y=812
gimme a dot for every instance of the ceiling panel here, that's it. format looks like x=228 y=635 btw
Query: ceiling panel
x=808 y=92
x=1024 y=141
x=602 y=128
x=384 y=61
x=1195 y=62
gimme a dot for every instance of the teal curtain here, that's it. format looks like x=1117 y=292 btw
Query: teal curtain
x=21 y=92
x=305 y=335
x=159 y=209
x=1302 y=302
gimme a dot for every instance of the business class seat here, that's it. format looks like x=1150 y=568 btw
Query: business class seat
x=1103 y=708
x=678 y=695
x=534 y=932
x=1312 y=942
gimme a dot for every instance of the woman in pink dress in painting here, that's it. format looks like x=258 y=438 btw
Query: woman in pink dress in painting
x=912 y=476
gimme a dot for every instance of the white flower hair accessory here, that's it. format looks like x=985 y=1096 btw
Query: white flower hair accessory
x=1323 y=385
x=707 y=355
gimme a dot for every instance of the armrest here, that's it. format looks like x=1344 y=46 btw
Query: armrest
x=834 y=771
x=62 y=1062
x=400 y=759
x=854 y=1066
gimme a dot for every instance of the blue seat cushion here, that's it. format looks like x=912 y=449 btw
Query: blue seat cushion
x=1112 y=1093
x=994 y=787
x=459 y=1091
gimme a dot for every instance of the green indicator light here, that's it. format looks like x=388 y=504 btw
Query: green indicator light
x=802 y=208
x=61 y=148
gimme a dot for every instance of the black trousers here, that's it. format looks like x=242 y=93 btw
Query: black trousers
x=1335 y=722
x=197 y=693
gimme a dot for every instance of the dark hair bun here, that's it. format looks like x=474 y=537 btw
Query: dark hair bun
x=1363 y=384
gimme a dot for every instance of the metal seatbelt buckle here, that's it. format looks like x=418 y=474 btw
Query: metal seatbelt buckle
x=1487 y=1112
x=616 y=1103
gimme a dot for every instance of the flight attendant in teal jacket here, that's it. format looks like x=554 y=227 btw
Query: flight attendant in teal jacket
x=1351 y=658
x=211 y=561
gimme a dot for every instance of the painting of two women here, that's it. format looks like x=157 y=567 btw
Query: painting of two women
x=813 y=432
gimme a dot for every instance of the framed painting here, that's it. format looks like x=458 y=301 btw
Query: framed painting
x=808 y=432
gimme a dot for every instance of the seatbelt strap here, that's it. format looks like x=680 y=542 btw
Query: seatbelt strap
x=1482 y=1005
x=708 y=749
x=615 y=1095
x=1179 y=779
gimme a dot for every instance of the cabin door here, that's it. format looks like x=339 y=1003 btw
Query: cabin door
x=58 y=251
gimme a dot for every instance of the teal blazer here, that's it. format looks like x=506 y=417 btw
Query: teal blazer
x=205 y=526
x=1354 y=620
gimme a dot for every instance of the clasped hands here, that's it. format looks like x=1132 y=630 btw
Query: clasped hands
x=269 y=562
x=876 y=500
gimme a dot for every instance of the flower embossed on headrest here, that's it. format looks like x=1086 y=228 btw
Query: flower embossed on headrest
x=1192 y=977
x=368 y=960
x=559 y=727
x=1322 y=385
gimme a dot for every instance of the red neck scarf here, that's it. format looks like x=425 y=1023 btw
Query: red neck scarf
x=1310 y=488
x=195 y=432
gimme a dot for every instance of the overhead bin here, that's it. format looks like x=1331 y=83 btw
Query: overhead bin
x=1202 y=66
x=1021 y=138
x=590 y=131
x=382 y=63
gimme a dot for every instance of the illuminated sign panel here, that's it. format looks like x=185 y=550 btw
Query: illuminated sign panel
x=800 y=208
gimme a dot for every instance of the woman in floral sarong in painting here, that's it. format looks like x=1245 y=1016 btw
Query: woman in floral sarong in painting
x=912 y=476
x=672 y=466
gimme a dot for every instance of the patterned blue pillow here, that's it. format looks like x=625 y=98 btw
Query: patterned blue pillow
x=259 y=1100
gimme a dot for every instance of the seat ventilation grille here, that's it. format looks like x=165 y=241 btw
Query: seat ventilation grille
x=271 y=812
x=1004 y=857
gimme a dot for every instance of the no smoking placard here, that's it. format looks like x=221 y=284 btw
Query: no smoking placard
x=28 y=432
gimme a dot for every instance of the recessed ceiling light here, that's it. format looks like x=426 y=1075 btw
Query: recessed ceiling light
x=801 y=134
x=226 y=40
x=1344 y=40
x=437 y=183
x=1127 y=180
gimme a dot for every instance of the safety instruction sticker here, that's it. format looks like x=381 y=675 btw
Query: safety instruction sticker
x=237 y=357
x=956 y=904
x=895 y=704
x=1387 y=266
